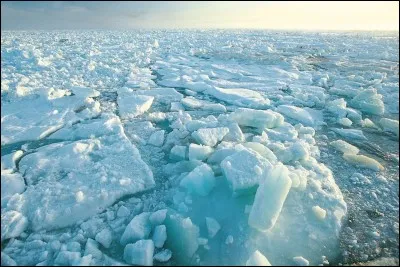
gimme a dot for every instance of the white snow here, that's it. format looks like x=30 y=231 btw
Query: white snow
x=270 y=197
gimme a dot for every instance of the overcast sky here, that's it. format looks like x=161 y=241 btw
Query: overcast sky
x=49 y=15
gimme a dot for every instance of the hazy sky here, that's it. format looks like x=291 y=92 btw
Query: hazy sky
x=258 y=15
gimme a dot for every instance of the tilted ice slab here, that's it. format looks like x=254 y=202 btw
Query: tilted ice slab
x=369 y=101
x=45 y=111
x=299 y=114
x=239 y=97
x=257 y=118
x=68 y=182
x=131 y=105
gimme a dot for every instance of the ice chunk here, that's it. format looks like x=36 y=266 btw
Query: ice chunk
x=157 y=138
x=13 y=223
x=178 y=153
x=297 y=113
x=7 y=260
x=67 y=258
x=368 y=123
x=131 y=106
x=350 y=133
x=138 y=228
x=319 y=212
x=9 y=161
x=200 y=181
x=363 y=162
x=270 y=197
x=104 y=169
x=257 y=259
x=212 y=226
x=140 y=253
x=210 y=136
x=229 y=240
x=300 y=261
x=199 y=152
x=123 y=211
x=239 y=97
x=191 y=102
x=369 y=101
x=162 y=95
x=159 y=236
x=11 y=183
x=235 y=134
x=243 y=170
x=390 y=125
x=176 y=106
x=214 y=107
x=261 y=150
x=163 y=256
x=158 y=217
x=104 y=238
x=344 y=147
x=221 y=154
x=345 y=122
x=257 y=118
x=92 y=248
x=182 y=236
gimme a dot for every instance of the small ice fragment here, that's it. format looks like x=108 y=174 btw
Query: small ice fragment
x=212 y=226
x=123 y=211
x=300 y=261
x=104 y=238
x=157 y=138
x=319 y=212
x=159 y=236
x=158 y=217
x=229 y=240
x=139 y=253
x=257 y=259
x=163 y=256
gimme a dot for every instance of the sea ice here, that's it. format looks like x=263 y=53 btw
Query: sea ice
x=270 y=197
x=140 y=253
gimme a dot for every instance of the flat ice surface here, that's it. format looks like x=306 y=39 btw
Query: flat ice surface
x=159 y=147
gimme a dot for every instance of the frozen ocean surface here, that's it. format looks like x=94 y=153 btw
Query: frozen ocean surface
x=199 y=147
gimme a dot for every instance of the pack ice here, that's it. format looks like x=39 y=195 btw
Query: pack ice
x=198 y=147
